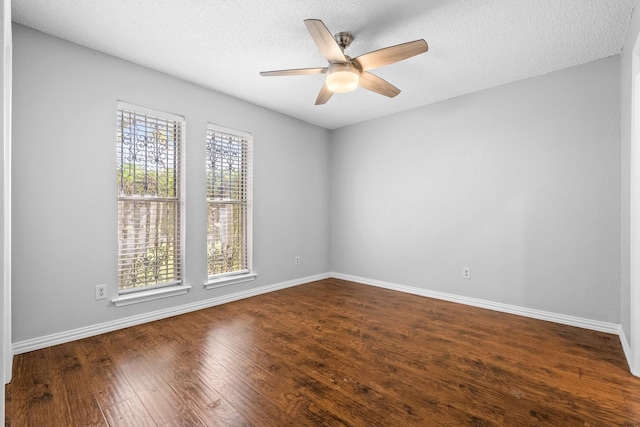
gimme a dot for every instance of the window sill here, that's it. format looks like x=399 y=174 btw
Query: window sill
x=229 y=280
x=150 y=295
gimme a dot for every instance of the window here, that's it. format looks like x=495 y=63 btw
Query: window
x=149 y=176
x=229 y=180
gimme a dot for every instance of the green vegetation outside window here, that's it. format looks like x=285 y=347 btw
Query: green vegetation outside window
x=149 y=145
x=229 y=171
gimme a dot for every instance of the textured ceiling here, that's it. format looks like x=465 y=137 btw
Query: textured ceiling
x=224 y=44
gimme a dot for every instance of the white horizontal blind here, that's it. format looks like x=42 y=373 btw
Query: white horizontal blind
x=229 y=169
x=149 y=209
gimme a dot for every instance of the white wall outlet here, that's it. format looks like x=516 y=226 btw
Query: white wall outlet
x=466 y=273
x=101 y=291
x=297 y=260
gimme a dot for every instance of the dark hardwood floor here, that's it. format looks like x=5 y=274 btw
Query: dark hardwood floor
x=330 y=353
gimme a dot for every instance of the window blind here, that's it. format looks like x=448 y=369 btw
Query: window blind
x=229 y=170
x=149 y=199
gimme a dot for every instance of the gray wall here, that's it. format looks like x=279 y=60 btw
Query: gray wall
x=64 y=204
x=625 y=230
x=521 y=183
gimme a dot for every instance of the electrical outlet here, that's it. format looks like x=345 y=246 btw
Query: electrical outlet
x=297 y=260
x=466 y=273
x=101 y=291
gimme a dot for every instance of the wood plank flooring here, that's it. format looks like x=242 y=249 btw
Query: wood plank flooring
x=330 y=353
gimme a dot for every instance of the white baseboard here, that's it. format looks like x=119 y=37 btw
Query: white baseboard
x=88 y=331
x=626 y=346
x=579 y=322
x=76 y=334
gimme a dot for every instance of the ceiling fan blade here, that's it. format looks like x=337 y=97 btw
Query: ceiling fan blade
x=294 y=72
x=391 y=54
x=378 y=85
x=325 y=41
x=324 y=95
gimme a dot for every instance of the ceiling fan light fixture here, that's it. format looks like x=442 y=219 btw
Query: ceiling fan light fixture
x=342 y=78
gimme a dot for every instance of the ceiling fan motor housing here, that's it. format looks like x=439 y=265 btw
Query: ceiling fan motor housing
x=344 y=39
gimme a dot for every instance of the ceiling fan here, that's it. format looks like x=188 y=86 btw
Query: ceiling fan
x=344 y=73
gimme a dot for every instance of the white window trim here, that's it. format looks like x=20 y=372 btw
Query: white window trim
x=233 y=278
x=133 y=297
x=150 y=295
x=122 y=105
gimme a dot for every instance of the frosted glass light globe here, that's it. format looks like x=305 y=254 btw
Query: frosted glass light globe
x=342 y=78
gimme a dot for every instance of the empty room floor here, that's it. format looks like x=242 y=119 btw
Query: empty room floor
x=330 y=353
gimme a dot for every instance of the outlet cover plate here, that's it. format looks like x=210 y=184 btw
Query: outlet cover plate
x=101 y=292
